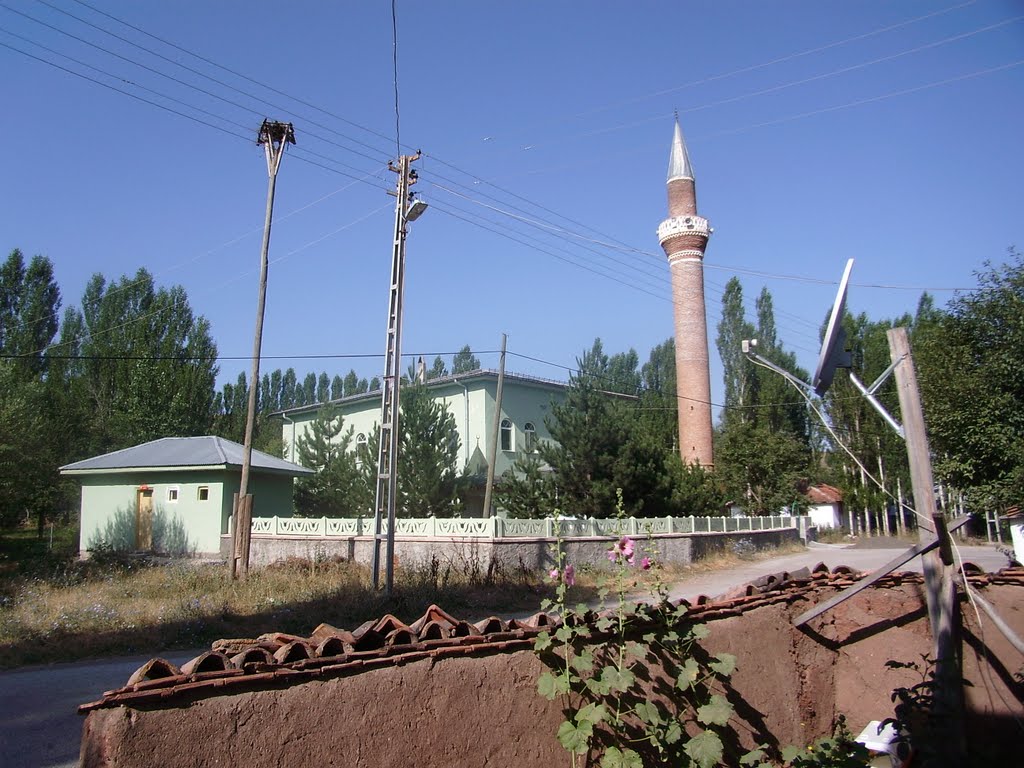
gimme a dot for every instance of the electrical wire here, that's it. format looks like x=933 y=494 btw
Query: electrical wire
x=324 y=157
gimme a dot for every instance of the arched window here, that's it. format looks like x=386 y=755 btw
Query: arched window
x=507 y=443
x=360 y=440
x=529 y=437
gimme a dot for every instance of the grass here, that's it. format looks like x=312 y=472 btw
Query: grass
x=54 y=607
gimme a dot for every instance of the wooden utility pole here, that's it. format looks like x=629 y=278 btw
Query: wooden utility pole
x=939 y=573
x=274 y=137
x=489 y=487
x=390 y=436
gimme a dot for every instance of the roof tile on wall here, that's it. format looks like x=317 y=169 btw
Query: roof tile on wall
x=239 y=664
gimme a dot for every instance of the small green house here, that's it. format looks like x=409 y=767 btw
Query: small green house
x=175 y=494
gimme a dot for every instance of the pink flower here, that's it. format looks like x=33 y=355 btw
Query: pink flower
x=645 y=563
x=569 y=575
x=622 y=548
x=553 y=574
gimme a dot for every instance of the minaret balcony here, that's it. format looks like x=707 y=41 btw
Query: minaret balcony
x=683 y=225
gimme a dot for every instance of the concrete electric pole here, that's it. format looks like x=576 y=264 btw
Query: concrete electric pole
x=390 y=434
x=274 y=137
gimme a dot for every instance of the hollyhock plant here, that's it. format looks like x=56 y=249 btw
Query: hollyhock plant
x=623 y=548
x=646 y=563
x=569 y=575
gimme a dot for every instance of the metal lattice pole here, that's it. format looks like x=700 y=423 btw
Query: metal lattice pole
x=390 y=435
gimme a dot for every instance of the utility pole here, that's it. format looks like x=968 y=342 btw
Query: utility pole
x=274 y=137
x=390 y=435
x=489 y=488
x=939 y=571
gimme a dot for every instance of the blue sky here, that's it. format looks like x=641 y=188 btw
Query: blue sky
x=884 y=131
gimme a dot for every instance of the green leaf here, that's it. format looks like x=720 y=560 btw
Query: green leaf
x=715 y=712
x=564 y=633
x=636 y=650
x=617 y=679
x=753 y=758
x=584 y=662
x=688 y=675
x=699 y=631
x=791 y=753
x=648 y=712
x=725 y=665
x=673 y=733
x=546 y=604
x=549 y=686
x=542 y=642
x=603 y=624
x=592 y=713
x=705 y=749
x=621 y=758
x=575 y=737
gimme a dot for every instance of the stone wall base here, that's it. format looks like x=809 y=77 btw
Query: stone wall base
x=508 y=554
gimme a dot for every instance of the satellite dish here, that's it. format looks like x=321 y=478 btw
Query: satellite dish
x=833 y=347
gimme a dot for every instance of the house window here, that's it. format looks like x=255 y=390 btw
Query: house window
x=529 y=437
x=506 y=435
x=360 y=441
x=172 y=495
x=203 y=494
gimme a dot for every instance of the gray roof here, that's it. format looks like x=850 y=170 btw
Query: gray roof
x=440 y=381
x=679 y=159
x=169 y=452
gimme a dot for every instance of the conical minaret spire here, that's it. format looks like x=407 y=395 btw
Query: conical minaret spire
x=679 y=159
x=684 y=236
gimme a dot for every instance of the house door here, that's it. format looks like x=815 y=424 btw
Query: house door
x=144 y=520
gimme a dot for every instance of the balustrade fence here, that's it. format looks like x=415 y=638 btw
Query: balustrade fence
x=507 y=528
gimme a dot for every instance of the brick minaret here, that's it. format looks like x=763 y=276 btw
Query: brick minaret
x=684 y=235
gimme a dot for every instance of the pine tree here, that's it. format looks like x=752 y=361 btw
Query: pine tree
x=465 y=361
x=337 y=489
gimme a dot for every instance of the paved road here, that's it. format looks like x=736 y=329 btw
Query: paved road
x=40 y=727
x=866 y=556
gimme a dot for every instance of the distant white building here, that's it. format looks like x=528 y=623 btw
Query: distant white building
x=825 y=506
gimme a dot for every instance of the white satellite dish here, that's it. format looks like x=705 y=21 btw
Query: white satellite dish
x=833 y=347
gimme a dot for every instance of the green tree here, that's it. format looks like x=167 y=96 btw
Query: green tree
x=29 y=483
x=148 y=364
x=971 y=364
x=737 y=371
x=762 y=446
x=29 y=308
x=428 y=479
x=465 y=361
x=659 y=405
x=307 y=392
x=289 y=390
x=337 y=387
x=323 y=388
x=527 y=491
x=351 y=383
x=437 y=369
x=338 y=488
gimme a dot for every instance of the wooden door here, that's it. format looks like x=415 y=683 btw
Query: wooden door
x=144 y=520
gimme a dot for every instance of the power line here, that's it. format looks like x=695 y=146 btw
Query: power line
x=770 y=62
